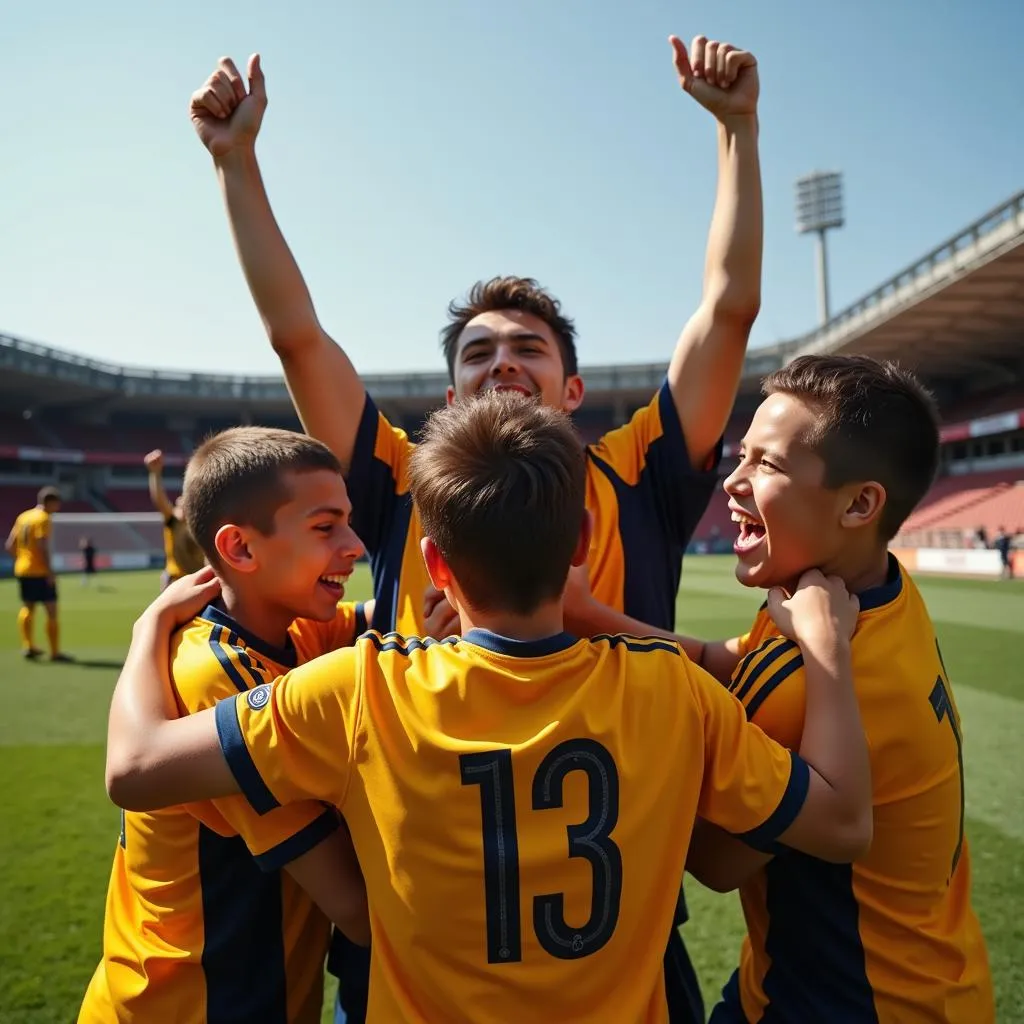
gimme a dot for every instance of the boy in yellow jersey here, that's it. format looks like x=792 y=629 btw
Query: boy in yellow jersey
x=521 y=801
x=182 y=554
x=29 y=543
x=649 y=480
x=837 y=456
x=198 y=930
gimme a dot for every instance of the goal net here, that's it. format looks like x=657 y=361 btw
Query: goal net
x=123 y=540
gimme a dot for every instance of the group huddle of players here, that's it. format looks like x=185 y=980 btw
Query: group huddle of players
x=501 y=767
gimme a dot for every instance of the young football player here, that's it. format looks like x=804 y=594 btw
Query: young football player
x=198 y=928
x=836 y=457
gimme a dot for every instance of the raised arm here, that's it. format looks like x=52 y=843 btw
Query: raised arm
x=325 y=388
x=705 y=370
x=154 y=463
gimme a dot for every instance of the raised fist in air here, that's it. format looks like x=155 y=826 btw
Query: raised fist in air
x=224 y=113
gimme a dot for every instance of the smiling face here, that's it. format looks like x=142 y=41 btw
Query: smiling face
x=789 y=521
x=509 y=350
x=300 y=566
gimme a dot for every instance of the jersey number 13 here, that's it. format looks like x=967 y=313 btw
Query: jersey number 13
x=491 y=770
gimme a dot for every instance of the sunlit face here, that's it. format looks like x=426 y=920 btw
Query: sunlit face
x=513 y=351
x=302 y=567
x=789 y=521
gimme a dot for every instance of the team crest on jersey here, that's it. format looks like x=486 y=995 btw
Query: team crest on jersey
x=259 y=697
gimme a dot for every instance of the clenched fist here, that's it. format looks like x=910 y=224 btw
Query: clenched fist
x=224 y=113
x=721 y=78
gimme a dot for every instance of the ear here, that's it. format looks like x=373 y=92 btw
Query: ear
x=864 y=506
x=437 y=568
x=572 y=393
x=232 y=546
x=582 y=552
x=449 y=395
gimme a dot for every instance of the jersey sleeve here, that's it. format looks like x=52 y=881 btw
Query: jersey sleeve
x=651 y=449
x=376 y=478
x=342 y=631
x=752 y=786
x=292 y=739
x=202 y=678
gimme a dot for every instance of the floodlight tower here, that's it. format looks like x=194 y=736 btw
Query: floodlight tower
x=819 y=207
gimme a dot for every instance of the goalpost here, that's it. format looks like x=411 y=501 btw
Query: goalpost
x=123 y=540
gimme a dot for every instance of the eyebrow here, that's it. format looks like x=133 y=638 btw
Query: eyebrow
x=772 y=453
x=327 y=510
x=522 y=335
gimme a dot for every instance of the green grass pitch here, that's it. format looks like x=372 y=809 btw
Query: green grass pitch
x=59 y=829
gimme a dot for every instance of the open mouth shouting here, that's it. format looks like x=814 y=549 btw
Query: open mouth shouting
x=752 y=532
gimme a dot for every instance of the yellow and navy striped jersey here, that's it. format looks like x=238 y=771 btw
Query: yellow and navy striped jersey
x=645 y=498
x=182 y=555
x=521 y=810
x=31 y=542
x=198 y=930
x=893 y=938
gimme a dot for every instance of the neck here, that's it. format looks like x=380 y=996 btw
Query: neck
x=546 y=621
x=256 y=616
x=860 y=572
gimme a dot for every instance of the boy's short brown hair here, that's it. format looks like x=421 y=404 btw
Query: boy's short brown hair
x=47 y=494
x=876 y=421
x=500 y=482
x=501 y=293
x=237 y=476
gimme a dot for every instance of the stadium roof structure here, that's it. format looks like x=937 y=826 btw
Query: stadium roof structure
x=956 y=314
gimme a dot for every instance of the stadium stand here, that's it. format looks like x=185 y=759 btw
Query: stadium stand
x=956 y=316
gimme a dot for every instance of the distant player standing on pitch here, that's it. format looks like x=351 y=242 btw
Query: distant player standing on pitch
x=29 y=543
x=181 y=553
x=649 y=482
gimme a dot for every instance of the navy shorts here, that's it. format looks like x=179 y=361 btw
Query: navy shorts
x=37 y=590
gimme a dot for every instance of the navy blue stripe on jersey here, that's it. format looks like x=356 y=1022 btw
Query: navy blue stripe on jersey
x=730 y=1009
x=519 y=648
x=380 y=516
x=816 y=967
x=286 y=655
x=741 y=668
x=758 y=670
x=789 y=806
x=217 y=641
x=302 y=842
x=255 y=676
x=637 y=644
x=386 y=561
x=359 y=627
x=243 y=942
x=779 y=677
x=239 y=760
x=888 y=591
x=404 y=644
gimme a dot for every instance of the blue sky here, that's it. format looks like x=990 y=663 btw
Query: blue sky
x=410 y=148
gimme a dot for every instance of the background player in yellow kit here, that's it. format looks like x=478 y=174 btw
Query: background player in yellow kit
x=196 y=928
x=29 y=543
x=836 y=457
x=182 y=553
x=521 y=801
